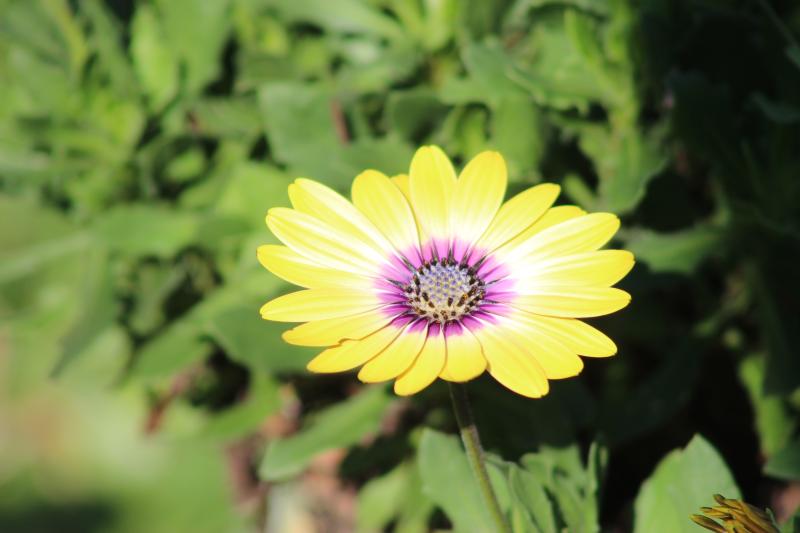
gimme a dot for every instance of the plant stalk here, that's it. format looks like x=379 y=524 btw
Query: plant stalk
x=475 y=455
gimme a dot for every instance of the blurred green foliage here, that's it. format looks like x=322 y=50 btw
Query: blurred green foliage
x=141 y=144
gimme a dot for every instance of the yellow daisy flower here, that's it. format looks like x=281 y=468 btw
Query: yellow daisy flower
x=431 y=275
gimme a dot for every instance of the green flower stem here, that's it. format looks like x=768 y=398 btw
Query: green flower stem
x=475 y=456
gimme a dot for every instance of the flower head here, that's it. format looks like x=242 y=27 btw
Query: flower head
x=734 y=516
x=431 y=275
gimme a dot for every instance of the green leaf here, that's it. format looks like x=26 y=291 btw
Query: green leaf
x=411 y=112
x=432 y=23
x=184 y=341
x=572 y=487
x=146 y=229
x=773 y=420
x=257 y=343
x=464 y=131
x=681 y=251
x=99 y=310
x=308 y=145
x=518 y=133
x=518 y=12
x=339 y=426
x=43 y=243
x=369 y=67
x=625 y=161
x=779 y=112
x=389 y=154
x=185 y=166
x=381 y=499
x=596 y=467
x=532 y=510
x=770 y=280
x=668 y=388
x=416 y=509
x=263 y=399
x=23 y=262
x=105 y=39
x=172 y=350
x=153 y=285
x=343 y=16
x=448 y=481
x=49 y=29
x=785 y=464
x=247 y=188
x=195 y=33
x=488 y=66
x=793 y=53
x=559 y=75
x=226 y=117
x=683 y=481
x=154 y=61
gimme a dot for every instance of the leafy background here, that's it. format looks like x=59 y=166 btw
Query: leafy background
x=141 y=144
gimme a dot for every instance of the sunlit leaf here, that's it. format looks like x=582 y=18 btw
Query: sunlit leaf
x=448 y=481
x=682 y=482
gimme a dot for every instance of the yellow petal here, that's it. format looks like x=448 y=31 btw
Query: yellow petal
x=312 y=238
x=432 y=182
x=465 y=359
x=318 y=304
x=385 y=206
x=576 y=335
x=582 y=234
x=511 y=364
x=325 y=204
x=403 y=182
x=426 y=367
x=574 y=302
x=553 y=216
x=478 y=195
x=294 y=268
x=554 y=357
x=351 y=354
x=333 y=330
x=600 y=269
x=518 y=214
x=396 y=358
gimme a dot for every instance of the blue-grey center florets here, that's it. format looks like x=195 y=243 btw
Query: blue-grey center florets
x=443 y=290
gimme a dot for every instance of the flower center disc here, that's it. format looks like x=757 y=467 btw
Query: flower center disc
x=441 y=291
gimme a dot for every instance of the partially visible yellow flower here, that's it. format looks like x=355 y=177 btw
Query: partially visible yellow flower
x=734 y=516
x=431 y=275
